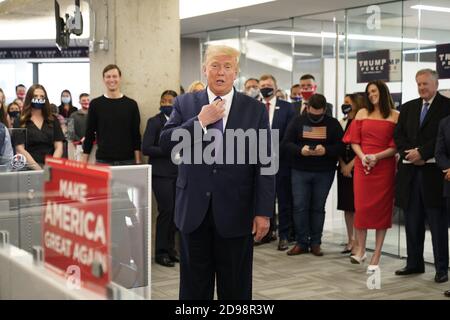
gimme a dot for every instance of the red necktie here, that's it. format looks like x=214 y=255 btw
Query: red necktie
x=268 y=107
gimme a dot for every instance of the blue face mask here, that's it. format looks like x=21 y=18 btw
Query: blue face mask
x=167 y=110
x=296 y=99
x=66 y=100
x=37 y=103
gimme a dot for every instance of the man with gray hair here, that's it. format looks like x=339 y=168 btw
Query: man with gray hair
x=419 y=185
x=220 y=208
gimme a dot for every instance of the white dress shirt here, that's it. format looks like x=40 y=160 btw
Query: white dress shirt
x=429 y=101
x=272 y=107
x=228 y=101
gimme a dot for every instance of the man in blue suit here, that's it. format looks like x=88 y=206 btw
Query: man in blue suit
x=280 y=114
x=219 y=206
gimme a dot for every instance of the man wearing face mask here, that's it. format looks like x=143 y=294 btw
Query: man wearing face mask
x=79 y=123
x=280 y=114
x=164 y=175
x=251 y=87
x=308 y=87
x=313 y=142
x=21 y=91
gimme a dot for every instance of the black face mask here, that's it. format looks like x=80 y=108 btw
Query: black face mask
x=167 y=110
x=266 y=92
x=346 y=108
x=14 y=114
x=315 y=118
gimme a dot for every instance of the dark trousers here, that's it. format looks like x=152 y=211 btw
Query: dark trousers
x=117 y=162
x=310 y=191
x=206 y=256
x=415 y=216
x=164 y=190
x=284 y=198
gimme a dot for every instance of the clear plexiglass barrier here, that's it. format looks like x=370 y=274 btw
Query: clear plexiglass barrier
x=21 y=209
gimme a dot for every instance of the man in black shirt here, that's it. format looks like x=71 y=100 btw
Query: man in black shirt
x=113 y=122
x=313 y=142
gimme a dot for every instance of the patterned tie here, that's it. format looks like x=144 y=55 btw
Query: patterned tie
x=424 y=112
x=219 y=123
x=268 y=107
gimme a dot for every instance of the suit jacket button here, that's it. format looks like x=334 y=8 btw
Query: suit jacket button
x=208 y=194
x=214 y=171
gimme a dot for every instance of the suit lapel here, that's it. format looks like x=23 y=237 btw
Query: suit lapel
x=233 y=115
x=416 y=113
x=163 y=119
x=201 y=99
x=433 y=109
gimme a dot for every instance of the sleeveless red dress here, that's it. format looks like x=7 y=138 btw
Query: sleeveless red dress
x=374 y=192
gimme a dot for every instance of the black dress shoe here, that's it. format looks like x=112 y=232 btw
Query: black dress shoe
x=266 y=239
x=283 y=245
x=174 y=258
x=164 y=261
x=441 y=277
x=447 y=293
x=405 y=271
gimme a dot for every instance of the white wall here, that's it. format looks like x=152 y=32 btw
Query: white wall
x=13 y=72
x=190 y=62
x=56 y=77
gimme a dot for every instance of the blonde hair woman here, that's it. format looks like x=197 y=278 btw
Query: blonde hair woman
x=196 y=86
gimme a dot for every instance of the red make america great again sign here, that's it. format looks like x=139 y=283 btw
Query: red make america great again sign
x=75 y=220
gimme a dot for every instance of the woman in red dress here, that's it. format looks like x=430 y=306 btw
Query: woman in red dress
x=371 y=136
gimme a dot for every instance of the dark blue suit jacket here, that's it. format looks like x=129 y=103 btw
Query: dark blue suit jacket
x=237 y=192
x=442 y=152
x=162 y=165
x=284 y=112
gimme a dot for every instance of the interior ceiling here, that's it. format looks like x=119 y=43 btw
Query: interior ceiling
x=277 y=11
x=271 y=11
x=23 y=9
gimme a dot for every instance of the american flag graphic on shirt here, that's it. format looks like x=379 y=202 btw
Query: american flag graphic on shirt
x=314 y=133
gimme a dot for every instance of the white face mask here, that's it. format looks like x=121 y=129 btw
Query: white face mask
x=253 y=92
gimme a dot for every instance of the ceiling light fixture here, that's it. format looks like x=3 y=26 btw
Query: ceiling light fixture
x=332 y=35
x=412 y=51
x=303 y=54
x=431 y=8
x=188 y=9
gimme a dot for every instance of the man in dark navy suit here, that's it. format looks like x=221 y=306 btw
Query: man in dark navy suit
x=164 y=175
x=280 y=114
x=442 y=154
x=219 y=206
x=419 y=181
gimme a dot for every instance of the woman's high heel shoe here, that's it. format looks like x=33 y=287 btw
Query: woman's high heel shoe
x=371 y=269
x=358 y=260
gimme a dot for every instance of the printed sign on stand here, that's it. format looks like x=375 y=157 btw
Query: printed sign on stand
x=372 y=65
x=385 y=65
x=443 y=60
x=76 y=221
